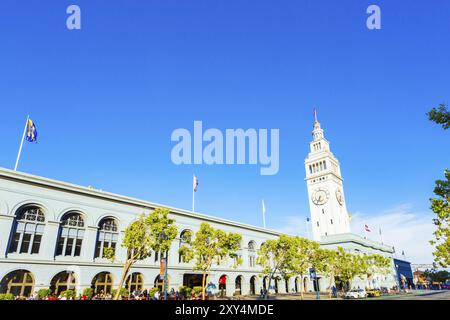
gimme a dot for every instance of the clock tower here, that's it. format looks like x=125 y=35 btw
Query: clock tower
x=325 y=188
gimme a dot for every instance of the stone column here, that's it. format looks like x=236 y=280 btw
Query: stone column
x=49 y=239
x=89 y=243
x=231 y=287
x=282 y=286
x=6 y=223
x=245 y=286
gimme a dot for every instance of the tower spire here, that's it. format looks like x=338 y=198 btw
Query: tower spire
x=315 y=115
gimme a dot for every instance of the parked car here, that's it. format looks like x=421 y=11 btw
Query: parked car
x=355 y=294
x=373 y=293
x=352 y=294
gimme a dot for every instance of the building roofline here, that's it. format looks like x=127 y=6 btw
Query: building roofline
x=95 y=193
x=350 y=237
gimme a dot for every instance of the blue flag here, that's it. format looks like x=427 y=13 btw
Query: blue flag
x=31 y=131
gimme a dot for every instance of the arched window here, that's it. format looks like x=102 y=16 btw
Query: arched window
x=19 y=283
x=108 y=235
x=28 y=230
x=134 y=282
x=185 y=238
x=63 y=281
x=325 y=165
x=102 y=283
x=70 y=235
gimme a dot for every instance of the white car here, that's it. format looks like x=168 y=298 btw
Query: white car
x=356 y=294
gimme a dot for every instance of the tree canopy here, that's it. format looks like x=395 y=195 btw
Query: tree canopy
x=441 y=207
x=208 y=247
x=440 y=115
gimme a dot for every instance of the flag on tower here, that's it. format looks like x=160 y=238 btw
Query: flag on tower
x=366 y=227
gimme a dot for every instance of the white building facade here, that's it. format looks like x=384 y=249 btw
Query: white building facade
x=52 y=235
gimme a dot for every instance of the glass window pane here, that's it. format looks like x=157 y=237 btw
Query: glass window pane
x=59 y=246
x=69 y=246
x=40 y=228
x=30 y=228
x=97 y=249
x=14 y=243
x=78 y=247
x=20 y=226
x=25 y=243
x=36 y=244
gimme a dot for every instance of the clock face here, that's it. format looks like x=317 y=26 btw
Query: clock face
x=339 y=197
x=320 y=196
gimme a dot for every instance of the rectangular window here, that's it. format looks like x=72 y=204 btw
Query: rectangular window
x=69 y=246
x=78 y=247
x=25 y=243
x=98 y=247
x=60 y=246
x=36 y=244
x=14 y=243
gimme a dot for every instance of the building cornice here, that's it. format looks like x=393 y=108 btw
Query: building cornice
x=350 y=237
x=108 y=196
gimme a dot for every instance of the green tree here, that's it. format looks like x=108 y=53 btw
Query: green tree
x=275 y=256
x=440 y=115
x=437 y=276
x=303 y=258
x=441 y=207
x=325 y=262
x=154 y=232
x=376 y=264
x=349 y=266
x=208 y=247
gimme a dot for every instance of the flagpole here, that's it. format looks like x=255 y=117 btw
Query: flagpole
x=21 y=144
x=264 y=219
x=381 y=237
x=193 y=195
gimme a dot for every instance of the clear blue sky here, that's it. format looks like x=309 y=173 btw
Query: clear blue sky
x=107 y=98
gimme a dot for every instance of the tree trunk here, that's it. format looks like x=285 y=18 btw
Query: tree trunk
x=331 y=284
x=203 y=285
x=126 y=268
x=268 y=287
